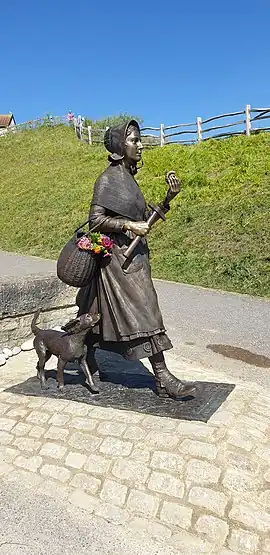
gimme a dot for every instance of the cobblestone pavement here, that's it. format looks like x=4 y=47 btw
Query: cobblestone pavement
x=193 y=487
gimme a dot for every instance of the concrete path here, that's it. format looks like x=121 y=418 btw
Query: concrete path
x=197 y=318
x=81 y=479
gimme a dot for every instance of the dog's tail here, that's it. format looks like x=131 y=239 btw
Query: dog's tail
x=34 y=327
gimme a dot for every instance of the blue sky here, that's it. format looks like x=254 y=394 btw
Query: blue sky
x=166 y=64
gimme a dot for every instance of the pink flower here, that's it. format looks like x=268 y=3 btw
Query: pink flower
x=106 y=242
x=84 y=243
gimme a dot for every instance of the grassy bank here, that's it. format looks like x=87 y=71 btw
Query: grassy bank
x=216 y=235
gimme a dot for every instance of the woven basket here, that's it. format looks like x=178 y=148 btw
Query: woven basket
x=74 y=266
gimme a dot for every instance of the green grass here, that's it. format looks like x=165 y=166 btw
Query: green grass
x=216 y=235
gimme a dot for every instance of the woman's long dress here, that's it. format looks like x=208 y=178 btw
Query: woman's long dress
x=131 y=322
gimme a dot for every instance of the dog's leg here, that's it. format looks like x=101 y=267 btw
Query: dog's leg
x=91 y=360
x=60 y=373
x=89 y=379
x=43 y=357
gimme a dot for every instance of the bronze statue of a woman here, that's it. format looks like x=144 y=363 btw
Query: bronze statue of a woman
x=131 y=323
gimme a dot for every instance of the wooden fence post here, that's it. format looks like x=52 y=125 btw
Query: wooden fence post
x=162 y=135
x=248 y=122
x=89 y=134
x=199 y=129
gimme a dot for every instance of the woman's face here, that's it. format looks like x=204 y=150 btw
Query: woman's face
x=133 y=145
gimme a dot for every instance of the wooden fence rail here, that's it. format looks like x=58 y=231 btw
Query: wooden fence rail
x=190 y=133
x=182 y=133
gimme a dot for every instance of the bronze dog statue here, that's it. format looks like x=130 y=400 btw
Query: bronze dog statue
x=67 y=345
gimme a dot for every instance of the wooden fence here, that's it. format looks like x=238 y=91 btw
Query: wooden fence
x=244 y=122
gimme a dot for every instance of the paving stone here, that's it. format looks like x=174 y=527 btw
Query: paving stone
x=267 y=475
x=36 y=431
x=213 y=529
x=128 y=417
x=53 y=451
x=132 y=471
x=196 y=430
x=56 y=433
x=6 y=424
x=161 y=440
x=5 y=468
x=36 y=417
x=262 y=419
x=139 y=454
x=261 y=408
x=225 y=551
x=198 y=449
x=17 y=412
x=28 y=444
x=116 y=447
x=164 y=460
x=111 y=429
x=111 y=513
x=59 y=419
x=154 y=529
x=36 y=402
x=166 y=483
x=253 y=423
x=28 y=463
x=240 y=439
x=222 y=417
x=248 y=463
x=16 y=399
x=264 y=498
x=103 y=413
x=86 y=482
x=76 y=460
x=238 y=481
x=263 y=452
x=96 y=464
x=243 y=541
x=84 y=424
x=84 y=442
x=5 y=438
x=202 y=472
x=57 y=472
x=176 y=514
x=3 y=408
x=8 y=454
x=82 y=500
x=209 y=499
x=188 y=544
x=134 y=432
x=21 y=429
x=255 y=435
x=144 y=503
x=250 y=516
x=55 y=405
x=76 y=409
x=113 y=492
x=158 y=422
x=266 y=546
x=5 y=396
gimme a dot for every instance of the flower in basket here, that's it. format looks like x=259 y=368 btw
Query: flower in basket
x=96 y=243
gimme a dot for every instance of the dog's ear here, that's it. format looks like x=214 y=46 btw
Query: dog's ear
x=71 y=326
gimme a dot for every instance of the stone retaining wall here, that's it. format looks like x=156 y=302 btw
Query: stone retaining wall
x=21 y=297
